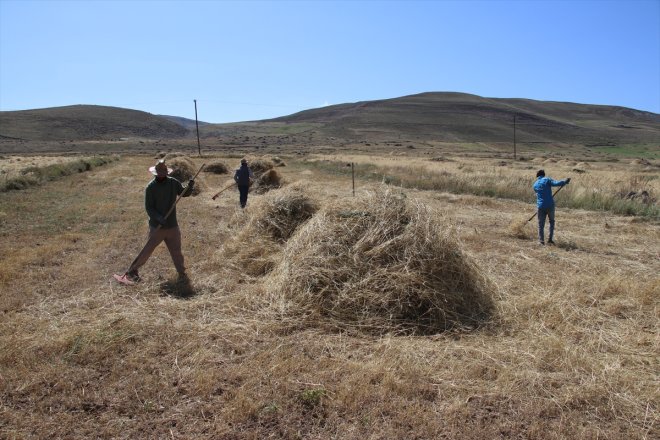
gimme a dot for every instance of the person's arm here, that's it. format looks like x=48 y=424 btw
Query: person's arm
x=236 y=176
x=560 y=182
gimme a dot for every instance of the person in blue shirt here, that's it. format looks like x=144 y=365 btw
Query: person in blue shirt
x=545 y=203
x=243 y=177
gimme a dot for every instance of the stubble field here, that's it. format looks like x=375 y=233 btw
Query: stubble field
x=569 y=350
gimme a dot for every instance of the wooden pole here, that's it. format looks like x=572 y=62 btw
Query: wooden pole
x=199 y=148
x=353 y=176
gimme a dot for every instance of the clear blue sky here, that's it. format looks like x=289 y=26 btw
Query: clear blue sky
x=261 y=59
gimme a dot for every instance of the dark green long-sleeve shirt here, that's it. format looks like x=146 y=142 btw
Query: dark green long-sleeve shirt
x=159 y=197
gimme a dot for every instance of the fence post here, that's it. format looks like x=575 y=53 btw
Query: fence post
x=353 y=176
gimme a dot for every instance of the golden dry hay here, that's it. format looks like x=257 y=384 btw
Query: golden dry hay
x=183 y=170
x=270 y=179
x=256 y=245
x=278 y=161
x=520 y=228
x=169 y=156
x=260 y=166
x=216 y=167
x=381 y=264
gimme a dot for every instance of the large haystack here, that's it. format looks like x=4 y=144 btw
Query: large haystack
x=380 y=264
x=183 y=170
x=259 y=235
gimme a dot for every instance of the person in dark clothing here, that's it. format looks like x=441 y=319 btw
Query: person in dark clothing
x=159 y=197
x=545 y=203
x=243 y=177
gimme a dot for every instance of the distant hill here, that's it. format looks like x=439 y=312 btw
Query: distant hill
x=84 y=122
x=434 y=116
x=188 y=124
x=459 y=117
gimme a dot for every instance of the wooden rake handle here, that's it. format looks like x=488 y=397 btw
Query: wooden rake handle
x=221 y=191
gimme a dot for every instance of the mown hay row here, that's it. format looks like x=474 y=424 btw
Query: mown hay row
x=380 y=263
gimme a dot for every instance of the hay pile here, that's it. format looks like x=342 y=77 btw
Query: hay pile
x=256 y=246
x=169 y=156
x=260 y=166
x=380 y=264
x=216 y=167
x=640 y=162
x=183 y=170
x=278 y=162
x=270 y=179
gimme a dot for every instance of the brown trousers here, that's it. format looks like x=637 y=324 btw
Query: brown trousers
x=172 y=238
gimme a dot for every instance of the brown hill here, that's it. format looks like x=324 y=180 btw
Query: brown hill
x=86 y=122
x=459 y=117
x=437 y=116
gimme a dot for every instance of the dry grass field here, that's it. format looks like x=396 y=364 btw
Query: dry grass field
x=413 y=310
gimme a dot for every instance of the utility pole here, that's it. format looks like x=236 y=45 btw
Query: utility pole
x=199 y=148
x=514 y=137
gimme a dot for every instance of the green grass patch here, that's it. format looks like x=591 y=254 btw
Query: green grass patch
x=33 y=176
x=632 y=151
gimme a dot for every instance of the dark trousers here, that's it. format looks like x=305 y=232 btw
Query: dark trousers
x=550 y=213
x=243 y=191
x=171 y=237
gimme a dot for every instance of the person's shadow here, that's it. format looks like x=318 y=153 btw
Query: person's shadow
x=179 y=288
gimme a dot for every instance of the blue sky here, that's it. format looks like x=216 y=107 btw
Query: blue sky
x=261 y=59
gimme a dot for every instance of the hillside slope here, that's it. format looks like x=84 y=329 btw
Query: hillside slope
x=84 y=122
x=188 y=124
x=435 y=116
x=469 y=118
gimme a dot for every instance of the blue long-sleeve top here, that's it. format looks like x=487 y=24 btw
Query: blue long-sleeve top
x=543 y=187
